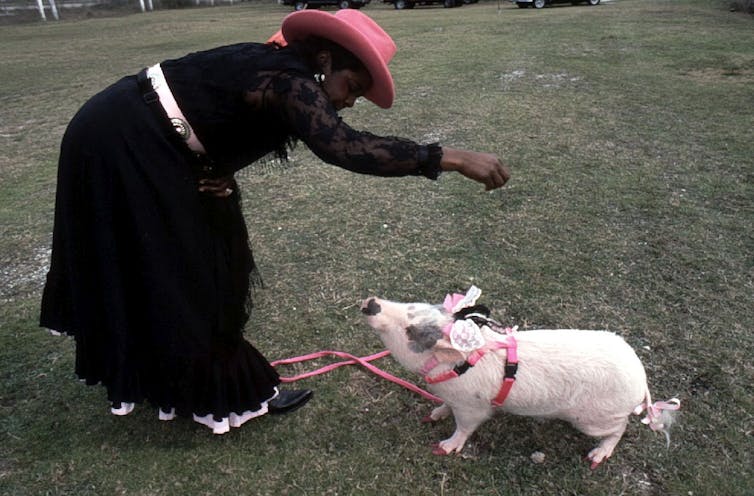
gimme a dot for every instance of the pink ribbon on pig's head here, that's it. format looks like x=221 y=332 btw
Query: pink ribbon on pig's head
x=455 y=302
x=451 y=300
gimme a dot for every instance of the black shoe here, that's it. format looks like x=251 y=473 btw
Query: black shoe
x=288 y=401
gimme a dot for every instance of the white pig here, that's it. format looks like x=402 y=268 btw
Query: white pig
x=592 y=379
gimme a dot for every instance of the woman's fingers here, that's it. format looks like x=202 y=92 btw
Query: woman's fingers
x=220 y=188
x=499 y=177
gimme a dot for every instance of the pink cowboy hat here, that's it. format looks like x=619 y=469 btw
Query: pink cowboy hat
x=358 y=34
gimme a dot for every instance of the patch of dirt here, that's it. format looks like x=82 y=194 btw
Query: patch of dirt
x=718 y=75
x=23 y=274
x=520 y=76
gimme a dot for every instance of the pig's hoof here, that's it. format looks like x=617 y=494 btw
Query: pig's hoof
x=595 y=458
x=437 y=450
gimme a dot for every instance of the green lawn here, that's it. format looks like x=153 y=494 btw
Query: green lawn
x=628 y=130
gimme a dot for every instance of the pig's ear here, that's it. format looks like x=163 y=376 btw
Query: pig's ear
x=445 y=352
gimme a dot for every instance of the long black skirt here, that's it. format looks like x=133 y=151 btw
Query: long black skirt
x=150 y=276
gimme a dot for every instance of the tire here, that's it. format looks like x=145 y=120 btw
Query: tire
x=299 y=5
x=448 y=3
x=538 y=4
x=399 y=4
x=344 y=4
x=594 y=2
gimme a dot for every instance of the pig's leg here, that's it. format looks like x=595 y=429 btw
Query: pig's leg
x=608 y=440
x=438 y=413
x=467 y=420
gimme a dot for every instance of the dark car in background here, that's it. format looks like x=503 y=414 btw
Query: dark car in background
x=315 y=4
x=538 y=4
x=410 y=4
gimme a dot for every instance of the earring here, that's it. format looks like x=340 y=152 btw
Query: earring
x=319 y=77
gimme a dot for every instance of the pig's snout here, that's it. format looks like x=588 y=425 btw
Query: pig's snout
x=370 y=307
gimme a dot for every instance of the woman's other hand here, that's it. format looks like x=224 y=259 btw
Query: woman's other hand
x=221 y=187
x=485 y=168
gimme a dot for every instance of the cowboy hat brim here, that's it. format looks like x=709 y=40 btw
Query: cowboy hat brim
x=336 y=28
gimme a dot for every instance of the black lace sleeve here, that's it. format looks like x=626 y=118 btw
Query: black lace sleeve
x=316 y=122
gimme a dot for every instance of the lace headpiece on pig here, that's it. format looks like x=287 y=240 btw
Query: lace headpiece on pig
x=465 y=333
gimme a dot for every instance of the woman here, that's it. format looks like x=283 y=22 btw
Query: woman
x=151 y=267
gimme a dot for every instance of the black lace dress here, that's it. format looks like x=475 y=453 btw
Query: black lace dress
x=150 y=276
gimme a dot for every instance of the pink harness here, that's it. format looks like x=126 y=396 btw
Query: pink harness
x=511 y=365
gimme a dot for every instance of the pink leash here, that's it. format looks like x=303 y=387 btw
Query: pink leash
x=351 y=360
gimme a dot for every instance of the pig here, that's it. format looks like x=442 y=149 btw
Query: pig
x=591 y=379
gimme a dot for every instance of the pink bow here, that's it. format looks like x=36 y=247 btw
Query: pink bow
x=655 y=410
x=451 y=300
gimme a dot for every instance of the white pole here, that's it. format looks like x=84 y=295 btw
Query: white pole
x=54 y=9
x=141 y=4
x=41 y=8
x=150 y=5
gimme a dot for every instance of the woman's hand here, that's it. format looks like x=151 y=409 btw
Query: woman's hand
x=221 y=187
x=483 y=167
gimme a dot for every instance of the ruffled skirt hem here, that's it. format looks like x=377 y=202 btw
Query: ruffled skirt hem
x=221 y=426
x=221 y=393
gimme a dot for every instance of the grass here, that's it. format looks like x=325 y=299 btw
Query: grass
x=628 y=131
